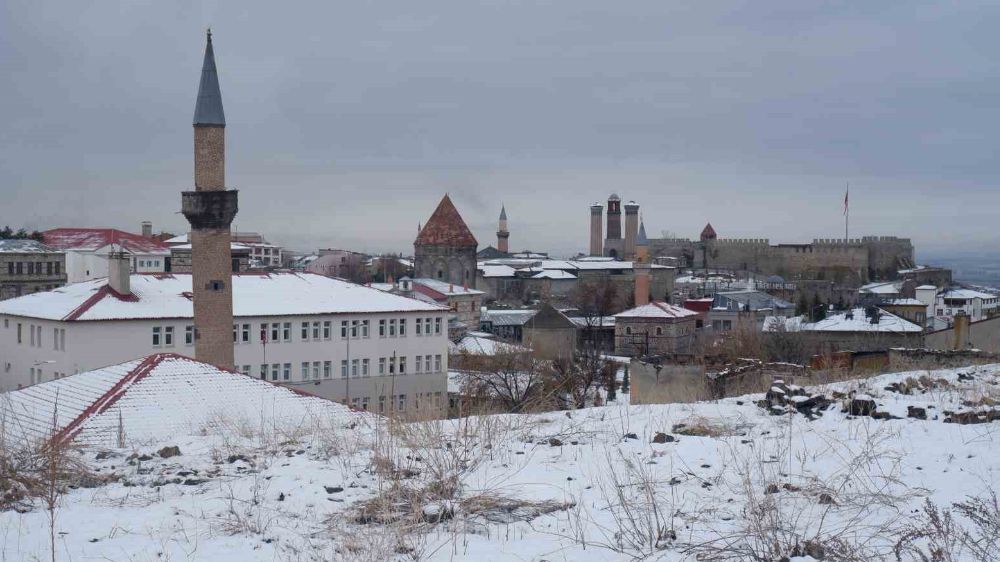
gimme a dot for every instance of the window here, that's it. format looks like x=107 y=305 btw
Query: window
x=392 y=365
x=402 y=402
x=364 y=328
x=659 y=330
x=327 y=369
x=343 y=329
x=437 y=363
x=275 y=332
x=381 y=404
x=354 y=367
x=419 y=327
x=286 y=371
x=437 y=325
x=48 y=268
x=305 y=370
x=327 y=329
x=392 y=328
x=315 y=370
x=381 y=328
x=245 y=370
x=62 y=339
x=10 y=268
x=20 y=268
x=19 y=332
x=381 y=366
x=236 y=332
x=343 y=368
x=628 y=330
x=305 y=331
x=286 y=331
x=418 y=364
x=57 y=268
x=402 y=365
x=354 y=329
x=275 y=369
x=316 y=330
x=402 y=327
x=364 y=367
x=355 y=403
x=245 y=333
x=263 y=371
x=156 y=336
x=31 y=268
x=364 y=403
x=55 y=339
x=263 y=333
x=427 y=364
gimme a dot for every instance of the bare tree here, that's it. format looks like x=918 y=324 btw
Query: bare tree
x=575 y=379
x=595 y=300
x=511 y=378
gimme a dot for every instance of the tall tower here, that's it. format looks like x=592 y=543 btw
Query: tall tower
x=502 y=233
x=445 y=249
x=631 y=229
x=210 y=210
x=596 y=230
x=614 y=245
x=641 y=267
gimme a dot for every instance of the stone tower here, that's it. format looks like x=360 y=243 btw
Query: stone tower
x=641 y=267
x=445 y=249
x=210 y=209
x=614 y=245
x=707 y=243
x=596 y=230
x=631 y=229
x=502 y=233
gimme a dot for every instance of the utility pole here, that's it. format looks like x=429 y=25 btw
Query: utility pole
x=347 y=388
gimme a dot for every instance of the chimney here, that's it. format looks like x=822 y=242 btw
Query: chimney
x=119 y=271
x=961 y=331
x=641 y=284
x=147 y=229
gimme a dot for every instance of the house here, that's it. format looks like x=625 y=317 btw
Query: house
x=656 y=328
x=550 y=334
x=268 y=254
x=155 y=398
x=977 y=305
x=28 y=266
x=857 y=329
x=302 y=330
x=506 y=324
x=729 y=308
x=344 y=264
x=911 y=309
x=87 y=251
x=180 y=258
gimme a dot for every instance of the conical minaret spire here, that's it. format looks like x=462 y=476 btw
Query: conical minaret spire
x=208 y=108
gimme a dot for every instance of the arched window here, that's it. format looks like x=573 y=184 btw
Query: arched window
x=440 y=274
x=628 y=330
x=659 y=330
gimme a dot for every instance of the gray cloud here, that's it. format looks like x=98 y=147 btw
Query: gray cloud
x=348 y=121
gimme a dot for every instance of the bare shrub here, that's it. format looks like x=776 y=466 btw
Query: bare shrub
x=701 y=426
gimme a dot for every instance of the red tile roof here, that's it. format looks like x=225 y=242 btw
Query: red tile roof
x=708 y=233
x=446 y=228
x=89 y=239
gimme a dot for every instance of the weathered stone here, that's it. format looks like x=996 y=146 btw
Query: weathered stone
x=915 y=412
x=663 y=438
x=168 y=452
x=553 y=442
x=861 y=407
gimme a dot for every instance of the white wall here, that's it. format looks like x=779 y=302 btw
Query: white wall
x=83 y=266
x=90 y=345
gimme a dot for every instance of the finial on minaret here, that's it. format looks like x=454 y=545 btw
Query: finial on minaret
x=208 y=32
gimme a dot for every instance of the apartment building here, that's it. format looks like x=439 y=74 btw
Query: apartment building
x=28 y=266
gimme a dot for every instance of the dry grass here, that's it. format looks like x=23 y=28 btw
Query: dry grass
x=701 y=426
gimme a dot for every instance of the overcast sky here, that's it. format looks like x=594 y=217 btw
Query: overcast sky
x=347 y=121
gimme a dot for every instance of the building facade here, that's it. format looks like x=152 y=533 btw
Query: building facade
x=656 y=328
x=28 y=266
x=87 y=251
x=334 y=339
x=445 y=249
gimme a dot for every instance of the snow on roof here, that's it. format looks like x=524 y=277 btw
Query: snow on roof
x=484 y=346
x=383 y=286
x=859 y=322
x=446 y=289
x=232 y=246
x=503 y=317
x=155 y=398
x=902 y=302
x=958 y=293
x=497 y=270
x=593 y=321
x=657 y=309
x=927 y=287
x=168 y=296
x=756 y=300
x=92 y=239
x=179 y=239
x=880 y=288
x=571 y=266
x=26 y=247
x=554 y=274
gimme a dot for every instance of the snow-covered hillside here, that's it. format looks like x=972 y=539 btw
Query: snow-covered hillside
x=727 y=480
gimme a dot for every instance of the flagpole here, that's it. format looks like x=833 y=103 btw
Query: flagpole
x=847 y=213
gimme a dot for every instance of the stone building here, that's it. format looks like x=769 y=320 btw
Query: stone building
x=656 y=328
x=550 y=334
x=210 y=209
x=464 y=303
x=445 y=249
x=28 y=266
x=180 y=258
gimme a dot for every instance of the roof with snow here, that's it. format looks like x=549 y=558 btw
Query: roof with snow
x=882 y=288
x=657 y=309
x=857 y=321
x=442 y=288
x=497 y=270
x=554 y=274
x=92 y=239
x=755 y=300
x=169 y=296
x=505 y=317
x=478 y=345
x=8 y=246
x=446 y=228
x=958 y=293
x=155 y=398
x=902 y=302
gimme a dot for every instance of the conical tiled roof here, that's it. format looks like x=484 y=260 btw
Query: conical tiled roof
x=642 y=240
x=446 y=228
x=503 y=213
x=208 y=108
x=708 y=233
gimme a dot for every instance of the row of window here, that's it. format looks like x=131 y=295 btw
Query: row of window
x=399 y=401
x=35 y=335
x=37 y=376
x=34 y=268
x=148 y=263
x=276 y=332
x=361 y=367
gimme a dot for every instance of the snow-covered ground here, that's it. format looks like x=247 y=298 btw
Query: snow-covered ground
x=582 y=485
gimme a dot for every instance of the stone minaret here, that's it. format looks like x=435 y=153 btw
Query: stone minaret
x=614 y=246
x=502 y=233
x=631 y=229
x=596 y=230
x=641 y=267
x=210 y=209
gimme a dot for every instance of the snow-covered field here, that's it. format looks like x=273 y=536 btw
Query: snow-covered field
x=733 y=482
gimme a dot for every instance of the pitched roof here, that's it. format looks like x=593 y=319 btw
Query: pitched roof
x=446 y=228
x=503 y=213
x=857 y=321
x=549 y=318
x=157 y=397
x=708 y=232
x=208 y=107
x=8 y=246
x=657 y=309
x=91 y=239
x=169 y=296
x=642 y=240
